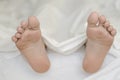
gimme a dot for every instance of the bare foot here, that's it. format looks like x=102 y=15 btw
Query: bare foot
x=100 y=38
x=28 y=40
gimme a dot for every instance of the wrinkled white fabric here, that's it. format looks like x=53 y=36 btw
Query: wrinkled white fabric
x=63 y=23
x=63 y=26
x=111 y=72
x=62 y=67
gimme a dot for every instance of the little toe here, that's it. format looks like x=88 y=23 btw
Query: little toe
x=93 y=19
x=14 y=39
x=102 y=20
x=24 y=24
x=33 y=23
x=18 y=35
x=107 y=24
x=20 y=29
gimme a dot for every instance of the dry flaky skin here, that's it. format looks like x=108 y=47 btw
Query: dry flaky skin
x=29 y=41
x=100 y=39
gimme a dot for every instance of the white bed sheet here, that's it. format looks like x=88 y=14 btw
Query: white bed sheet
x=63 y=22
x=15 y=67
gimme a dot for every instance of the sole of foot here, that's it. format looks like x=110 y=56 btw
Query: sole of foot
x=29 y=42
x=100 y=38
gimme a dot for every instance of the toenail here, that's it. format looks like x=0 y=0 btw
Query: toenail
x=106 y=25
x=110 y=28
x=14 y=39
x=23 y=23
x=20 y=30
x=102 y=19
x=18 y=35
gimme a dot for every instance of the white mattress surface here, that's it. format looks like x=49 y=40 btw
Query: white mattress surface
x=15 y=67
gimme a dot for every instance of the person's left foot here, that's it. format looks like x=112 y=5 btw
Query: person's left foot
x=100 y=38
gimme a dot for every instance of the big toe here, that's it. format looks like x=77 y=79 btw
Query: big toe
x=93 y=19
x=33 y=23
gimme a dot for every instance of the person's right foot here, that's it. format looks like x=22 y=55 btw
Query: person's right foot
x=29 y=41
x=100 y=38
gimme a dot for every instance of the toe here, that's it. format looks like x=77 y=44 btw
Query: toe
x=107 y=24
x=24 y=24
x=33 y=23
x=20 y=29
x=14 y=39
x=110 y=28
x=113 y=32
x=102 y=20
x=93 y=19
x=18 y=35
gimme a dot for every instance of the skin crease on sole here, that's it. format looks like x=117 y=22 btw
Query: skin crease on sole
x=29 y=41
x=100 y=39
